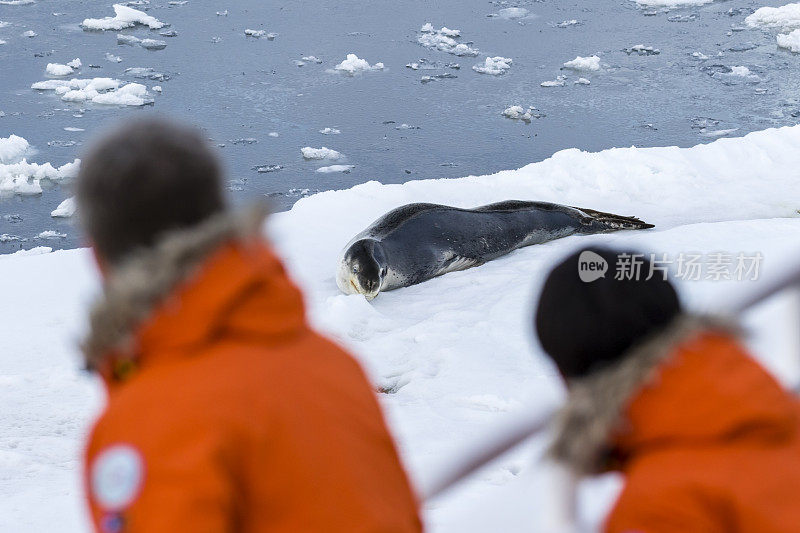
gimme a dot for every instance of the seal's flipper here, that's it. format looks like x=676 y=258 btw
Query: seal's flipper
x=611 y=221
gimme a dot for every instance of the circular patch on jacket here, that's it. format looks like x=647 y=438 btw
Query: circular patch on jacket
x=116 y=476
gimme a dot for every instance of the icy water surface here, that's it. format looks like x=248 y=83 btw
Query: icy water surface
x=260 y=106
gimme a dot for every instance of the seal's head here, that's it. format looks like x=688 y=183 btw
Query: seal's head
x=362 y=269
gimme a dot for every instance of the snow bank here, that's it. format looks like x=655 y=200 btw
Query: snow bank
x=784 y=18
x=454 y=354
x=354 y=64
x=444 y=39
x=124 y=17
x=591 y=63
x=12 y=148
x=18 y=177
x=494 y=66
x=320 y=153
x=790 y=41
x=106 y=91
x=65 y=209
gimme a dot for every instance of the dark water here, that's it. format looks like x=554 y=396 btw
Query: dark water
x=244 y=88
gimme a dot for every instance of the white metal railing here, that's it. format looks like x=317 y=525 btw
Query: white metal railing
x=531 y=421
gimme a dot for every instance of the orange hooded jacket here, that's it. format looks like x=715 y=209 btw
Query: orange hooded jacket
x=225 y=411
x=711 y=445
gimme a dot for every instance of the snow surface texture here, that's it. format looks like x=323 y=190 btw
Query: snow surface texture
x=353 y=64
x=784 y=18
x=444 y=39
x=105 y=91
x=584 y=64
x=494 y=66
x=454 y=354
x=124 y=17
x=18 y=177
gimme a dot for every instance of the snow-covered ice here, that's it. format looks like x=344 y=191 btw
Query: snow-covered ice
x=58 y=69
x=330 y=131
x=494 y=66
x=790 y=41
x=65 y=209
x=560 y=81
x=513 y=13
x=444 y=39
x=124 y=17
x=587 y=64
x=517 y=112
x=456 y=352
x=255 y=33
x=354 y=64
x=335 y=168
x=30 y=34
x=740 y=71
x=13 y=148
x=320 y=153
x=784 y=18
x=642 y=50
x=50 y=235
x=106 y=91
x=582 y=81
x=149 y=44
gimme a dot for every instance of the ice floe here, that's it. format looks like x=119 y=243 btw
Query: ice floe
x=560 y=81
x=260 y=33
x=330 y=131
x=149 y=44
x=672 y=3
x=642 y=50
x=517 y=112
x=124 y=17
x=568 y=23
x=106 y=91
x=65 y=209
x=494 y=66
x=320 y=153
x=512 y=13
x=586 y=64
x=30 y=34
x=790 y=41
x=444 y=39
x=15 y=2
x=345 y=169
x=740 y=71
x=50 y=235
x=353 y=64
x=58 y=69
x=18 y=177
x=784 y=18
x=582 y=81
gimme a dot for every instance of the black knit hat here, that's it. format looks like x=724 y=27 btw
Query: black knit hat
x=588 y=317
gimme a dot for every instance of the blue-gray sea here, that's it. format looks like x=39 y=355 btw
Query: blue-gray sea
x=240 y=89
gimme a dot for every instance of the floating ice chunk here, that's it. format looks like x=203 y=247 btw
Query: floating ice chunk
x=273 y=134
x=494 y=66
x=255 y=33
x=345 y=169
x=152 y=44
x=699 y=55
x=73 y=129
x=265 y=169
x=354 y=64
x=57 y=69
x=784 y=18
x=130 y=40
x=97 y=90
x=672 y=3
x=113 y=58
x=15 y=2
x=22 y=178
x=50 y=235
x=65 y=209
x=75 y=63
x=444 y=40
x=591 y=63
x=560 y=81
x=718 y=133
x=790 y=41
x=124 y=17
x=642 y=50
x=513 y=13
x=568 y=23
x=312 y=59
x=157 y=89
x=330 y=131
x=320 y=153
x=740 y=71
x=4 y=24
x=2 y=42
x=582 y=81
x=12 y=148
x=517 y=112
x=30 y=34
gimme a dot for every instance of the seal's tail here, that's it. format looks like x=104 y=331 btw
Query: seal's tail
x=612 y=222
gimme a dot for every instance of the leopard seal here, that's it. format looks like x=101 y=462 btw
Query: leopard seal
x=417 y=242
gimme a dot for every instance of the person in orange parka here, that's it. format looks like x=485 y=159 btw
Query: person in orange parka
x=706 y=439
x=225 y=411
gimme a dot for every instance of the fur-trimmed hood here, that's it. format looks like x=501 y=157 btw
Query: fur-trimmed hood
x=135 y=288
x=595 y=413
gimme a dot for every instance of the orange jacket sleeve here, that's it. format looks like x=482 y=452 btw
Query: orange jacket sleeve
x=185 y=486
x=663 y=509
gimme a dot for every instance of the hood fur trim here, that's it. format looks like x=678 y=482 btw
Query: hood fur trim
x=141 y=282
x=596 y=403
